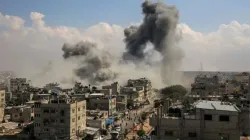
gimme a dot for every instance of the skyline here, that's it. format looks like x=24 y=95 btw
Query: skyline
x=31 y=39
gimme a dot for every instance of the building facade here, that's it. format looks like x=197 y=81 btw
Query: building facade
x=211 y=120
x=59 y=119
x=2 y=104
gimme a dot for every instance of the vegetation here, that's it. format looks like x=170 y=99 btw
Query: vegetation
x=141 y=133
x=116 y=119
x=144 y=116
x=174 y=92
x=130 y=103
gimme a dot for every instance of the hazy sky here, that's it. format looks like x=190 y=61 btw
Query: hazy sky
x=200 y=15
x=215 y=33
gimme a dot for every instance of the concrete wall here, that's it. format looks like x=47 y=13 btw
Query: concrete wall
x=99 y=123
x=211 y=130
x=64 y=119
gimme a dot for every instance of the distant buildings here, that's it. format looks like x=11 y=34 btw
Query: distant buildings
x=18 y=84
x=59 y=118
x=2 y=104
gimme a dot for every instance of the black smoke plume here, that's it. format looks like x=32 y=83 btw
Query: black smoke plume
x=94 y=63
x=159 y=28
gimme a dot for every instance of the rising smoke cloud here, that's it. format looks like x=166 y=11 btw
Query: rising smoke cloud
x=158 y=28
x=94 y=64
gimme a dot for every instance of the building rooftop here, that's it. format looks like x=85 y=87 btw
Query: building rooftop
x=97 y=94
x=91 y=130
x=216 y=105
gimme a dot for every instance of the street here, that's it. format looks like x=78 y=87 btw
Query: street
x=133 y=117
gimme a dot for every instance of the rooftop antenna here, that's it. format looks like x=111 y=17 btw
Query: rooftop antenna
x=201 y=69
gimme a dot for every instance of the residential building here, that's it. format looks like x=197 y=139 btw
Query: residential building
x=21 y=113
x=101 y=102
x=210 y=120
x=121 y=102
x=18 y=84
x=146 y=83
x=133 y=93
x=95 y=122
x=2 y=104
x=59 y=118
x=115 y=88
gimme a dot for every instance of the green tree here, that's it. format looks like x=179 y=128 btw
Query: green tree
x=174 y=92
x=144 y=116
x=141 y=133
x=130 y=103
x=116 y=119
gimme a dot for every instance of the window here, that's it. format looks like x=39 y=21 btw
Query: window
x=46 y=130
x=73 y=120
x=16 y=116
x=62 y=112
x=20 y=114
x=62 y=130
x=168 y=133
x=208 y=117
x=79 y=109
x=62 y=121
x=45 y=111
x=53 y=111
x=73 y=110
x=224 y=118
x=192 y=135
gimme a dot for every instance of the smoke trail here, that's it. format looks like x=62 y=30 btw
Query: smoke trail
x=94 y=63
x=158 y=28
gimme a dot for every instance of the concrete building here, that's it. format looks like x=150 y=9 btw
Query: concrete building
x=211 y=120
x=115 y=88
x=20 y=113
x=96 y=122
x=133 y=93
x=121 y=102
x=146 y=83
x=59 y=118
x=2 y=104
x=101 y=102
x=18 y=84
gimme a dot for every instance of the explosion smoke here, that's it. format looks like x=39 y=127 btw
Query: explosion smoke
x=94 y=63
x=159 y=28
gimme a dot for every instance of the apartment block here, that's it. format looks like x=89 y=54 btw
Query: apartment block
x=18 y=84
x=146 y=83
x=101 y=102
x=59 y=119
x=210 y=120
x=20 y=113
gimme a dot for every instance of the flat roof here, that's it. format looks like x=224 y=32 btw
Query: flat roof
x=91 y=130
x=216 y=105
x=97 y=94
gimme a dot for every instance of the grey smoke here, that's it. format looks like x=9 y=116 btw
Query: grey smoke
x=159 y=28
x=94 y=63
